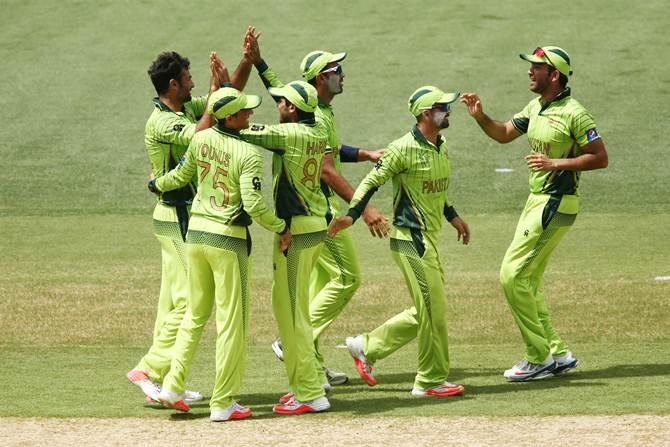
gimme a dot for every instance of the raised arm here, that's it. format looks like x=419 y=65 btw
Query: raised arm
x=502 y=132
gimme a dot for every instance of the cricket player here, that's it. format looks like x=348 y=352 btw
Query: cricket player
x=229 y=196
x=418 y=164
x=170 y=128
x=563 y=142
x=298 y=144
x=336 y=276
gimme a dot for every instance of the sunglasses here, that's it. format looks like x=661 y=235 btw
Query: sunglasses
x=443 y=107
x=336 y=69
x=539 y=52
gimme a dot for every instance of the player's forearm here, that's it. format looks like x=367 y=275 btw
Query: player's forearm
x=584 y=162
x=241 y=75
x=496 y=130
x=255 y=206
x=205 y=122
x=338 y=183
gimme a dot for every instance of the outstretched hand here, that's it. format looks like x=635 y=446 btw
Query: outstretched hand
x=339 y=224
x=218 y=72
x=376 y=222
x=250 y=48
x=473 y=104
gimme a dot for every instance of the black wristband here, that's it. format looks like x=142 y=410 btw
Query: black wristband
x=450 y=213
x=152 y=186
x=348 y=154
x=261 y=66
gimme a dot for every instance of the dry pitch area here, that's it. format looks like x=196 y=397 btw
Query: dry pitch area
x=630 y=430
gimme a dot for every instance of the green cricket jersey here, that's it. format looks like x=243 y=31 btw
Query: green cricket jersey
x=558 y=129
x=298 y=150
x=325 y=115
x=420 y=173
x=167 y=135
x=230 y=173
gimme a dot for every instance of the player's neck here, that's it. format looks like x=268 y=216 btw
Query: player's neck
x=429 y=131
x=552 y=92
x=325 y=97
x=173 y=104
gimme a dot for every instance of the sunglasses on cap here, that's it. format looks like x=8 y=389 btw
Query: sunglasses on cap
x=539 y=52
x=336 y=69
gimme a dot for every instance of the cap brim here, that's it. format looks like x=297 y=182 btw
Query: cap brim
x=252 y=102
x=277 y=92
x=337 y=57
x=448 y=98
x=533 y=59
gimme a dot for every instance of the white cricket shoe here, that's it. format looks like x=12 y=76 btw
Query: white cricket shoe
x=565 y=363
x=277 y=349
x=296 y=407
x=355 y=347
x=234 y=412
x=170 y=399
x=334 y=377
x=524 y=370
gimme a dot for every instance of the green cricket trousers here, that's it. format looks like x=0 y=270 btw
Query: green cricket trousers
x=218 y=276
x=543 y=223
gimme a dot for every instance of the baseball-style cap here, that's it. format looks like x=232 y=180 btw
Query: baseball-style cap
x=425 y=97
x=314 y=62
x=554 y=56
x=228 y=101
x=299 y=93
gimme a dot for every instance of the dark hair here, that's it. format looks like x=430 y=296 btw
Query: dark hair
x=168 y=65
x=304 y=116
x=313 y=80
x=562 y=79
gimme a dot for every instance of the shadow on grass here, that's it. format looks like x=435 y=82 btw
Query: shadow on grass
x=387 y=395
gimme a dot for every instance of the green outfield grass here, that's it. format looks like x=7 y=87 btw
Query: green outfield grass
x=80 y=268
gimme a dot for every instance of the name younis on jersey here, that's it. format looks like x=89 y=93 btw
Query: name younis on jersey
x=213 y=154
x=435 y=185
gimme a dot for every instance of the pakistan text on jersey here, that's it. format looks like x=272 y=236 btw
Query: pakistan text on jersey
x=539 y=146
x=437 y=185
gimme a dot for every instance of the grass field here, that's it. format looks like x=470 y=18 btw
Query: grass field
x=79 y=271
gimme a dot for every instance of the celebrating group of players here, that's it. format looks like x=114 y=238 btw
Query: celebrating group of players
x=207 y=171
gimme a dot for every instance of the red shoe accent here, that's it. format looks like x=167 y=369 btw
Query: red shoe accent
x=367 y=378
x=444 y=391
x=288 y=408
x=286 y=398
x=237 y=415
x=181 y=406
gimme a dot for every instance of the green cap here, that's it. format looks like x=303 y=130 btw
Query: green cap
x=228 y=101
x=425 y=97
x=299 y=93
x=314 y=62
x=554 y=56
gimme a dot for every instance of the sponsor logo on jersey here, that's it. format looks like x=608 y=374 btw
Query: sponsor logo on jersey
x=257 y=127
x=257 y=183
x=178 y=127
x=592 y=134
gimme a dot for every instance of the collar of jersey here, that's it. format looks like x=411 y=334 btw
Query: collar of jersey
x=564 y=94
x=418 y=136
x=324 y=105
x=308 y=122
x=226 y=131
x=161 y=106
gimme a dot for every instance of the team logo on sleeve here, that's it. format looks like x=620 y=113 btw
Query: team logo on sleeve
x=178 y=127
x=257 y=183
x=378 y=165
x=592 y=134
x=257 y=127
